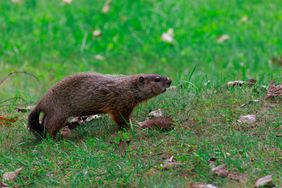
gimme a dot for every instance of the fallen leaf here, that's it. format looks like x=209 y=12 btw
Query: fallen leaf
x=3 y=185
x=235 y=83
x=11 y=176
x=16 y=1
x=156 y=113
x=106 y=7
x=250 y=82
x=99 y=57
x=220 y=170
x=274 y=91
x=168 y=36
x=245 y=19
x=247 y=119
x=25 y=108
x=7 y=121
x=66 y=132
x=236 y=176
x=223 y=38
x=201 y=185
x=67 y=1
x=162 y=123
x=170 y=164
x=97 y=33
x=264 y=181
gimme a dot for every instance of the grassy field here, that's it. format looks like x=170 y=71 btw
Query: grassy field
x=52 y=39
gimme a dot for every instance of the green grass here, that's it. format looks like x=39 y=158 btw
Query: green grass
x=51 y=40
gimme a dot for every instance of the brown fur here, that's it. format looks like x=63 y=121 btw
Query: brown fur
x=90 y=93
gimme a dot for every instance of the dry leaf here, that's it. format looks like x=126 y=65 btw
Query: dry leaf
x=25 y=108
x=201 y=185
x=223 y=38
x=3 y=185
x=264 y=181
x=220 y=170
x=237 y=177
x=99 y=57
x=7 y=121
x=244 y=19
x=67 y=1
x=247 y=119
x=11 y=176
x=250 y=82
x=156 y=113
x=168 y=36
x=170 y=164
x=162 y=123
x=97 y=33
x=106 y=7
x=16 y=1
x=274 y=91
x=66 y=132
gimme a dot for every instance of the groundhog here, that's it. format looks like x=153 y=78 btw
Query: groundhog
x=91 y=93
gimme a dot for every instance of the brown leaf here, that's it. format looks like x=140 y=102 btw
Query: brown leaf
x=3 y=185
x=237 y=177
x=223 y=38
x=66 y=132
x=11 y=176
x=7 y=121
x=162 y=123
x=106 y=7
x=274 y=91
x=220 y=170
x=264 y=181
x=201 y=185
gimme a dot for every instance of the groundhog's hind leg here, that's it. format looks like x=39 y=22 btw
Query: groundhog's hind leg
x=53 y=124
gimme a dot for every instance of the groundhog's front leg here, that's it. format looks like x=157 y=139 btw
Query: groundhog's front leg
x=121 y=119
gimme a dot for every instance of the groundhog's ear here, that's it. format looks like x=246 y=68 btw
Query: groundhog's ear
x=141 y=79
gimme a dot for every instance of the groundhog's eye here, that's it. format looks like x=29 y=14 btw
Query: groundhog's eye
x=157 y=79
x=141 y=79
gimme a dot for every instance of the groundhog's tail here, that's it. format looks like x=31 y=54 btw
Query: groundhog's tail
x=33 y=123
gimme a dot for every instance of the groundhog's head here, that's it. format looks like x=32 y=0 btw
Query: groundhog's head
x=150 y=85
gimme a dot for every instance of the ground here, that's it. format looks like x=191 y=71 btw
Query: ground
x=52 y=39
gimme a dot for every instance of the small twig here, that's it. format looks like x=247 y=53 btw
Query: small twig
x=18 y=72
